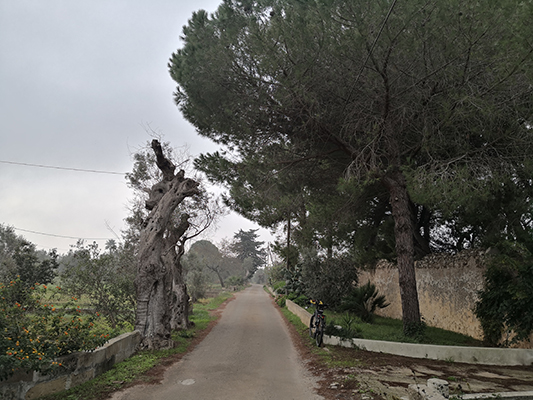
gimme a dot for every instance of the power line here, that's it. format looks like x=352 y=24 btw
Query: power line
x=62 y=168
x=59 y=236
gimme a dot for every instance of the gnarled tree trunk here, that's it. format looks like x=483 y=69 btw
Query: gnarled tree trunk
x=180 y=298
x=159 y=283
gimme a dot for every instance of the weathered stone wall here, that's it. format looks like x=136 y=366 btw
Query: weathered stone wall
x=447 y=289
x=79 y=368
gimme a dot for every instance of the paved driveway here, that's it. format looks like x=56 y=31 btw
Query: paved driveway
x=248 y=355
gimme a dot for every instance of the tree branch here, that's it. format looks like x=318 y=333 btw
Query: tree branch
x=164 y=164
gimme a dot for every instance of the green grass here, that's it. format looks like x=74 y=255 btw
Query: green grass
x=392 y=330
x=327 y=357
x=136 y=367
x=383 y=329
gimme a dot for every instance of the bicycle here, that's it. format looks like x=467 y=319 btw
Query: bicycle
x=317 y=324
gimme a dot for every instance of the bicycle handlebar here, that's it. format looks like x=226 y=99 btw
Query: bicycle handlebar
x=317 y=303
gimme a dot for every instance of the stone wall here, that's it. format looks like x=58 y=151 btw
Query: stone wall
x=79 y=368
x=447 y=289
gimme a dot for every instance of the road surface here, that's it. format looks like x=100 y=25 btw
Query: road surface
x=248 y=355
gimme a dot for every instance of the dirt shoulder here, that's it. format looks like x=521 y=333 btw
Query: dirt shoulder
x=359 y=374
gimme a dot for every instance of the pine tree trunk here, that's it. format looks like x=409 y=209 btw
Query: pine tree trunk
x=403 y=232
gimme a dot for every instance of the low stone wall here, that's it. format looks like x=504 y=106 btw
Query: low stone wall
x=304 y=315
x=447 y=289
x=78 y=368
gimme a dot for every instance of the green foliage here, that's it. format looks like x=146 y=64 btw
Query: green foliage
x=238 y=257
x=20 y=258
x=137 y=366
x=34 y=332
x=293 y=281
x=301 y=299
x=275 y=273
x=235 y=280
x=328 y=279
x=197 y=282
x=440 y=104
x=506 y=299
x=500 y=210
x=106 y=278
x=279 y=286
x=246 y=247
x=363 y=301
x=204 y=254
x=454 y=117
x=259 y=277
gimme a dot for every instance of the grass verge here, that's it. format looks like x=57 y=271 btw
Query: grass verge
x=138 y=368
x=326 y=357
x=382 y=329
x=392 y=330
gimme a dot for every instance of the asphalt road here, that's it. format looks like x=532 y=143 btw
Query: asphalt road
x=248 y=355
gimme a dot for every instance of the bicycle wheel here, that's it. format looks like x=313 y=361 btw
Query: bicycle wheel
x=320 y=331
x=312 y=327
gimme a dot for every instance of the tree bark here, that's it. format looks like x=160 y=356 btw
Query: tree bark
x=179 y=307
x=403 y=232
x=159 y=282
x=289 y=266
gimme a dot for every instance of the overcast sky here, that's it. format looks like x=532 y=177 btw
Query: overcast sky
x=80 y=83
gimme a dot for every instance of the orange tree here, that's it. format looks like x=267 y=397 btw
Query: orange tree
x=34 y=332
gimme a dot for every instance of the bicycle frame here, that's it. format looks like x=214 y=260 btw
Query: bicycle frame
x=317 y=324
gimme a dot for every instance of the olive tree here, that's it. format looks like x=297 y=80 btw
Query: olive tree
x=162 y=298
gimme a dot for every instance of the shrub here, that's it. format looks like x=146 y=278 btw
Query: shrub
x=275 y=273
x=34 y=332
x=19 y=257
x=106 y=278
x=328 y=280
x=302 y=300
x=363 y=301
x=197 y=284
x=278 y=287
x=505 y=302
x=293 y=280
x=235 y=281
